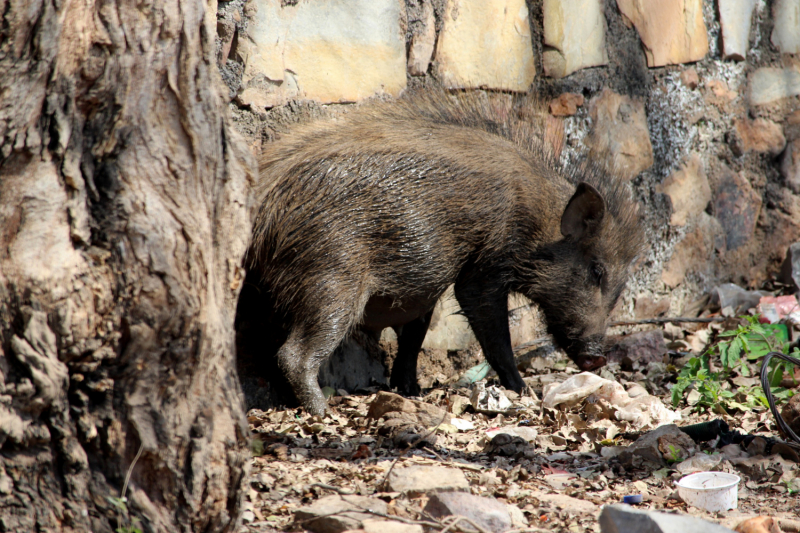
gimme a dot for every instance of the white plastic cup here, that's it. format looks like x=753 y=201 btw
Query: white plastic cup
x=712 y=491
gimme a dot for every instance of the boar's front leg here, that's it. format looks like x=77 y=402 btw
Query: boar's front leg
x=486 y=308
x=409 y=342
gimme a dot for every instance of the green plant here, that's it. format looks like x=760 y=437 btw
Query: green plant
x=674 y=456
x=747 y=343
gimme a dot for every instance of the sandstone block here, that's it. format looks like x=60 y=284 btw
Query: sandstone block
x=485 y=43
x=575 y=42
x=334 y=514
x=566 y=104
x=790 y=166
x=642 y=346
x=759 y=135
x=329 y=50
x=769 y=84
x=671 y=32
x=736 y=206
x=418 y=480
x=422 y=42
x=695 y=253
x=488 y=513
x=735 y=17
x=620 y=133
x=690 y=78
x=786 y=32
x=688 y=190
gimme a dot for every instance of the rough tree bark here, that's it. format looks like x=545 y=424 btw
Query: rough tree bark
x=124 y=217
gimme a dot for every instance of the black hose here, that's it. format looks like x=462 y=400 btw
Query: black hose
x=768 y=392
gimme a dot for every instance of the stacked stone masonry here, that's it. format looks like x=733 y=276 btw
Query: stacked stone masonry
x=695 y=102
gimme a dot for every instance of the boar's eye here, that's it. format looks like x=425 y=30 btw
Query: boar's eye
x=597 y=272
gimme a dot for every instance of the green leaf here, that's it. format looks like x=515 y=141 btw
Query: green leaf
x=734 y=351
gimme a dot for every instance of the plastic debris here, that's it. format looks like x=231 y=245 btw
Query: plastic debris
x=489 y=399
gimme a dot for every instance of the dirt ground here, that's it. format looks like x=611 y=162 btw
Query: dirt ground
x=558 y=470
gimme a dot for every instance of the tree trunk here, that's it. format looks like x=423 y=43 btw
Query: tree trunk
x=124 y=217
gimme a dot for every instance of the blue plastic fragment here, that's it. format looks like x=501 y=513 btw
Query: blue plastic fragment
x=632 y=499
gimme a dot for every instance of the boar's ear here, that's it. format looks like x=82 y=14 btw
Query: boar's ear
x=583 y=213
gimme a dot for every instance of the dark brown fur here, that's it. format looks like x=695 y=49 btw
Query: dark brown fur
x=367 y=220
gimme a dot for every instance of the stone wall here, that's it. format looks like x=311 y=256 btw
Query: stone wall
x=695 y=103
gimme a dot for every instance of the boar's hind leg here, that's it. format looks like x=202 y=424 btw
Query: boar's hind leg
x=486 y=309
x=409 y=343
x=300 y=358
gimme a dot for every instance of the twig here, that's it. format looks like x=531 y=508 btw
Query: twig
x=341 y=491
x=412 y=445
x=130 y=471
x=670 y=320
x=458 y=518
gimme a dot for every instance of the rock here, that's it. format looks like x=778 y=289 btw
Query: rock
x=528 y=434
x=485 y=43
x=695 y=252
x=690 y=78
x=734 y=18
x=718 y=93
x=769 y=84
x=671 y=32
x=329 y=51
x=645 y=307
x=790 y=166
x=417 y=480
x=759 y=135
x=688 y=191
x=422 y=42
x=566 y=503
x=736 y=206
x=759 y=524
x=333 y=514
x=642 y=346
x=226 y=29
x=620 y=133
x=389 y=405
x=574 y=42
x=620 y=518
x=653 y=445
x=566 y=104
x=786 y=32
x=488 y=513
x=449 y=328
x=790 y=270
x=389 y=526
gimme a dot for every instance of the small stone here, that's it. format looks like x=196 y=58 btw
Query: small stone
x=488 y=513
x=688 y=191
x=566 y=503
x=485 y=44
x=671 y=32
x=786 y=32
x=734 y=18
x=226 y=30
x=621 y=518
x=248 y=517
x=790 y=166
x=736 y=206
x=759 y=135
x=417 y=480
x=389 y=405
x=651 y=446
x=620 y=133
x=717 y=93
x=690 y=78
x=645 y=307
x=769 y=84
x=422 y=42
x=334 y=514
x=642 y=346
x=389 y=526
x=790 y=270
x=329 y=51
x=574 y=42
x=566 y=104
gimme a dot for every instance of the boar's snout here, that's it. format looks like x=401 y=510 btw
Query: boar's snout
x=587 y=353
